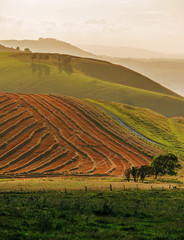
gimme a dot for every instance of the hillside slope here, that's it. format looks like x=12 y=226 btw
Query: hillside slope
x=169 y=72
x=169 y=132
x=58 y=75
x=53 y=135
x=98 y=69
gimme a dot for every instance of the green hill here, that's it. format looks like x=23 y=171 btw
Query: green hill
x=62 y=74
x=169 y=132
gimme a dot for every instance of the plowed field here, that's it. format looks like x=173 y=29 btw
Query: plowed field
x=44 y=135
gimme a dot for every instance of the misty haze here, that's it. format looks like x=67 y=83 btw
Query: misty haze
x=91 y=119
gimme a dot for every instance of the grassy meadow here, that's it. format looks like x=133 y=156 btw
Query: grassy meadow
x=26 y=75
x=169 y=132
x=92 y=183
x=60 y=215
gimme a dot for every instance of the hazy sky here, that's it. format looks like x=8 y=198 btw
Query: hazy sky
x=151 y=24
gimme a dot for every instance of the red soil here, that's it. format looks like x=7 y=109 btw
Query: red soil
x=43 y=134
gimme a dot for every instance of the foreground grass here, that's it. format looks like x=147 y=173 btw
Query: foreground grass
x=128 y=214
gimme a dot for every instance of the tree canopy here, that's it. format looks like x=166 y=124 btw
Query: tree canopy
x=165 y=164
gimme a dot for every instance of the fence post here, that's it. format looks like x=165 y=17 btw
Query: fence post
x=124 y=187
x=86 y=188
x=137 y=187
x=65 y=190
x=110 y=187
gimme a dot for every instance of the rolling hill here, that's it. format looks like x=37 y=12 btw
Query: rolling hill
x=45 y=45
x=122 y=52
x=7 y=49
x=49 y=135
x=168 y=72
x=84 y=78
x=168 y=132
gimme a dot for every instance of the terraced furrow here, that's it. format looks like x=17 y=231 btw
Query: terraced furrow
x=9 y=112
x=37 y=158
x=106 y=139
x=60 y=134
x=17 y=135
x=91 y=130
x=48 y=162
x=74 y=159
x=11 y=118
x=93 y=152
x=6 y=106
x=15 y=125
x=76 y=125
x=5 y=100
x=7 y=154
x=25 y=154
x=128 y=158
x=114 y=135
x=2 y=95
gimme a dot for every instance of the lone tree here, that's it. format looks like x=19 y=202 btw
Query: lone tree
x=165 y=164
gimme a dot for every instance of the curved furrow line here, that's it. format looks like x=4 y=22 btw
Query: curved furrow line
x=58 y=160
x=93 y=131
x=17 y=135
x=130 y=164
x=91 y=150
x=82 y=129
x=74 y=159
x=6 y=106
x=111 y=133
x=112 y=141
x=2 y=95
x=59 y=133
x=11 y=118
x=9 y=129
x=47 y=163
x=25 y=154
x=37 y=158
x=20 y=145
x=9 y=112
x=121 y=166
x=48 y=109
x=5 y=100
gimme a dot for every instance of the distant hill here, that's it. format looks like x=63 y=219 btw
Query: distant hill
x=46 y=45
x=7 y=49
x=122 y=52
x=84 y=78
x=169 y=72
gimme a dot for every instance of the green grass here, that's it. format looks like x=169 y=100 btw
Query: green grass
x=130 y=215
x=79 y=183
x=167 y=131
x=20 y=76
